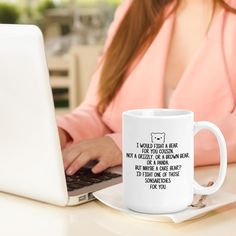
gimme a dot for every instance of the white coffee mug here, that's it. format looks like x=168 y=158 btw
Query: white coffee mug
x=158 y=159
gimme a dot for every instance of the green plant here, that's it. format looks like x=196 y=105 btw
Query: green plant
x=9 y=13
x=45 y=5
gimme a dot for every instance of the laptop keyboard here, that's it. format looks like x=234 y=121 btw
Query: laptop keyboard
x=85 y=177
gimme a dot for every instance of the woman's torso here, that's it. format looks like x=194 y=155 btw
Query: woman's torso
x=191 y=25
x=201 y=72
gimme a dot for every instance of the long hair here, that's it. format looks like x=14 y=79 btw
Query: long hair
x=134 y=35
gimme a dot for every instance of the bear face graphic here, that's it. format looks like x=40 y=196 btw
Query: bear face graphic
x=158 y=137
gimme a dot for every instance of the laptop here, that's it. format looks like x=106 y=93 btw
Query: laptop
x=31 y=163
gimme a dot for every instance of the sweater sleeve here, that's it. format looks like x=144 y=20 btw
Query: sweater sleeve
x=84 y=122
x=206 y=146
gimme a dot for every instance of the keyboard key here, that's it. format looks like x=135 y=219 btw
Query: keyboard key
x=75 y=185
x=70 y=189
x=102 y=177
x=85 y=183
x=69 y=179
x=93 y=180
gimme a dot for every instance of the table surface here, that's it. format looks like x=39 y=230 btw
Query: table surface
x=20 y=216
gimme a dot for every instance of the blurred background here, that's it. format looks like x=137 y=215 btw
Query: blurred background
x=74 y=32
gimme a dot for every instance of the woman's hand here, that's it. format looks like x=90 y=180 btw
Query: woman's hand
x=103 y=149
x=64 y=137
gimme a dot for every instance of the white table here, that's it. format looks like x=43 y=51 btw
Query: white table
x=19 y=216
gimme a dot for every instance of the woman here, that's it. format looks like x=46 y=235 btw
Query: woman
x=163 y=54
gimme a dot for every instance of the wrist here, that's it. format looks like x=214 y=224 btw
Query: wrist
x=64 y=137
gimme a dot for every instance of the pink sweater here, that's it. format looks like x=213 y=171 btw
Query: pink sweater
x=207 y=87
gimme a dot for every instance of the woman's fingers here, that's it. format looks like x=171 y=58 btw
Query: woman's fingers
x=70 y=154
x=103 y=149
x=100 y=166
x=79 y=162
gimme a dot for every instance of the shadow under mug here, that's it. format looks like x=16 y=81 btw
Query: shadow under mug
x=158 y=159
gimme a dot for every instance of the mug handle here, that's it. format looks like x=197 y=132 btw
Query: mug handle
x=198 y=189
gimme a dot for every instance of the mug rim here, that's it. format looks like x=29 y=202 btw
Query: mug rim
x=140 y=113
